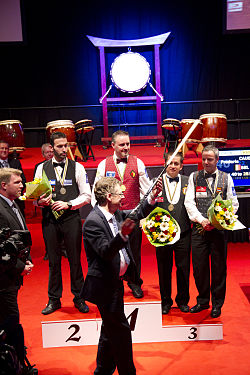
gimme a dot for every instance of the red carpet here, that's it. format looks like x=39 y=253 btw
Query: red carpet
x=229 y=356
x=226 y=357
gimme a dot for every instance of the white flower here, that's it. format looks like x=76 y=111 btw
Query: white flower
x=150 y=224
x=165 y=218
x=217 y=208
x=163 y=237
x=164 y=226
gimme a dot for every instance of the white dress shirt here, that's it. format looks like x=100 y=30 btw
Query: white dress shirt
x=109 y=217
x=144 y=181
x=190 y=204
x=173 y=189
x=84 y=196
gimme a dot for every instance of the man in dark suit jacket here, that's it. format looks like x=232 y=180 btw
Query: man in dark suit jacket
x=6 y=161
x=110 y=261
x=11 y=276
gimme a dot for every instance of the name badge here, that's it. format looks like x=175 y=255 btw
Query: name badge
x=110 y=174
x=201 y=192
x=67 y=182
x=52 y=182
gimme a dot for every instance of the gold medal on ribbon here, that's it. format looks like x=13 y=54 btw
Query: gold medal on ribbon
x=123 y=187
x=170 y=207
x=63 y=190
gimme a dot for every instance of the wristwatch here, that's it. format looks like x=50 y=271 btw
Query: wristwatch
x=69 y=205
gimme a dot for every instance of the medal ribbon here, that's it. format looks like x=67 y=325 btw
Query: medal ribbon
x=119 y=172
x=171 y=198
x=62 y=179
x=215 y=185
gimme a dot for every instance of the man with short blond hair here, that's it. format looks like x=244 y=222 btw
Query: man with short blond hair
x=11 y=277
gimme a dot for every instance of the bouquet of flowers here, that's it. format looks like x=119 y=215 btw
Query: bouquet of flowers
x=38 y=187
x=161 y=228
x=220 y=214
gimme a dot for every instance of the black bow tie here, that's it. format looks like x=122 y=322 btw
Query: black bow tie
x=58 y=165
x=122 y=160
x=174 y=179
x=213 y=175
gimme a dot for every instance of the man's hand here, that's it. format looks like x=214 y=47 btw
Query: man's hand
x=207 y=225
x=127 y=227
x=44 y=200
x=157 y=188
x=59 y=205
x=28 y=268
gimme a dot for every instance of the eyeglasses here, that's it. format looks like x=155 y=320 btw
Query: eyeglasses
x=121 y=194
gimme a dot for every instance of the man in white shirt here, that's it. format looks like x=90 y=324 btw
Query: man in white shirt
x=70 y=191
x=203 y=187
x=132 y=173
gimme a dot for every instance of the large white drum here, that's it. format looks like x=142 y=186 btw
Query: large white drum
x=130 y=72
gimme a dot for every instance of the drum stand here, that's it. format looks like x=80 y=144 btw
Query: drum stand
x=171 y=136
x=84 y=139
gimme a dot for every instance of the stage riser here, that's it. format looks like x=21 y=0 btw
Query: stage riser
x=145 y=321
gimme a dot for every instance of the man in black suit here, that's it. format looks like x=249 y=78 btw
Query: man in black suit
x=11 y=276
x=6 y=161
x=110 y=260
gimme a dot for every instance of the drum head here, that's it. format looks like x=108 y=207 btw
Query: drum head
x=130 y=72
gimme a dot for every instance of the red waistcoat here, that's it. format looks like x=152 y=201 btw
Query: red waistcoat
x=130 y=180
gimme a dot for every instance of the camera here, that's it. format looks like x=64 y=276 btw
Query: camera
x=14 y=245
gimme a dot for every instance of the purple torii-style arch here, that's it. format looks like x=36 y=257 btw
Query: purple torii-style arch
x=155 y=41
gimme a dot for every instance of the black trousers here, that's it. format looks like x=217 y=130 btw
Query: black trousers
x=71 y=232
x=164 y=255
x=115 y=342
x=9 y=321
x=212 y=244
x=135 y=240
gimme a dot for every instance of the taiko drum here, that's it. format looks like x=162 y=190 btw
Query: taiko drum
x=11 y=131
x=64 y=126
x=195 y=138
x=214 y=129
x=83 y=126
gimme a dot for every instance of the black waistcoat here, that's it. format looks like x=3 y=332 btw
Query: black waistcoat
x=72 y=190
x=204 y=202
x=179 y=212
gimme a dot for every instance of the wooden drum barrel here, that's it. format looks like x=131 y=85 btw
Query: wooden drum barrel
x=214 y=129
x=195 y=138
x=11 y=131
x=64 y=126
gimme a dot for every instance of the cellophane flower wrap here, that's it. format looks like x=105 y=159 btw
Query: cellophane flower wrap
x=38 y=187
x=220 y=214
x=161 y=228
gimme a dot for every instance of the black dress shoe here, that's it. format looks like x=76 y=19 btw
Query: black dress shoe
x=137 y=291
x=197 y=308
x=165 y=309
x=51 y=307
x=81 y=306
x=216 y=312
x=184 y=308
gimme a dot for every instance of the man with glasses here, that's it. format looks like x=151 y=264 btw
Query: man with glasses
x=110 y=260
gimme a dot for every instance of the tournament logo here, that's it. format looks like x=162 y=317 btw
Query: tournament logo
x=133 y=173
